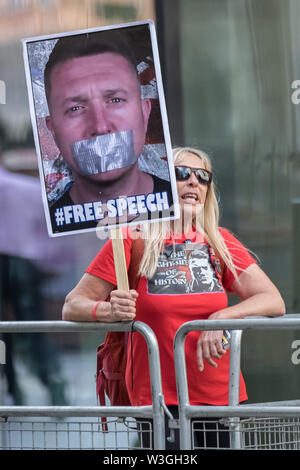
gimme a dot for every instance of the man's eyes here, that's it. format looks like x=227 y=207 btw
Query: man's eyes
x=74 y=109
x=116 y=100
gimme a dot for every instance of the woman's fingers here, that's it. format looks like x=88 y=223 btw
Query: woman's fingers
x=123 y=305
x=209 y=347
x=129 y=294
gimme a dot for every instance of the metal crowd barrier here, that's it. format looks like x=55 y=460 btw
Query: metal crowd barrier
x=256 y=426
x=62 y=424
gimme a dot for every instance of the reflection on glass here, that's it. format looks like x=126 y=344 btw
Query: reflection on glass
x=36 y=271
x=239 y=59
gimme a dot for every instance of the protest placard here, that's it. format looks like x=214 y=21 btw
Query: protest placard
x=101 y=129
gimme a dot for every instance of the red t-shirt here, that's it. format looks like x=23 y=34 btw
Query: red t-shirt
x=185 y=287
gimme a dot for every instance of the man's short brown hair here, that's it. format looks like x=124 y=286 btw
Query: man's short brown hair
x=81 y=45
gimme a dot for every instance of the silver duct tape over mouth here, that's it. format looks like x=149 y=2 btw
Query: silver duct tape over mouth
x=104 y=153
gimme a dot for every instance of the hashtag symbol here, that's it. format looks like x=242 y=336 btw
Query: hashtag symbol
x=59 y=216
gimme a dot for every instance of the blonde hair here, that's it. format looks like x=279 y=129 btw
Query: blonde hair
x=155 y=233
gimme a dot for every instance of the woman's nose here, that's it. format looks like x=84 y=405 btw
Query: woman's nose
x=193 y=180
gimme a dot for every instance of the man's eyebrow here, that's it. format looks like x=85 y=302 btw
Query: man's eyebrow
x=75 y=99
x=115 y=91
x=83 y=98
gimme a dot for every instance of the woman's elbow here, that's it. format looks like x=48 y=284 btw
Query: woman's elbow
x=280 y=308
x=283 y=308
x=67 y=310
x=65 y=314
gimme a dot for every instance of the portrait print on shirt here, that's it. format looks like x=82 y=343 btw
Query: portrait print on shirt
x=100 y=126
x=184 y=271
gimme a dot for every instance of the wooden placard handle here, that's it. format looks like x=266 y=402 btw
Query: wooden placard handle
x=119 y=258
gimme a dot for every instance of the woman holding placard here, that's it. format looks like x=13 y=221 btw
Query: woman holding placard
x=186 y=268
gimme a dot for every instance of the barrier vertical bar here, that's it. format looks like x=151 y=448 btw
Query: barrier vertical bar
x=156 y=384
x=182 y=389
x=234 y=387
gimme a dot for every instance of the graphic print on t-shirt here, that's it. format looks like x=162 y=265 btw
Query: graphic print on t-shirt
x=182 y=269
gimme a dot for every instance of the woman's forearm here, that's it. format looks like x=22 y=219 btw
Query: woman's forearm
x=209 y=346
x=79 y=308
x=264 y=304
x=121 y=307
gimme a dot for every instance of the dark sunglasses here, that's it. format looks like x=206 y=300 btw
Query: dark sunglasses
x=183 y=173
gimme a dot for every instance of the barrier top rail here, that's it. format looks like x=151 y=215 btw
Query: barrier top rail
x=269 y=323
x=60 y=326
x=285 y=322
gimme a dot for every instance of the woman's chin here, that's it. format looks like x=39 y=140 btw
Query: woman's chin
x=191 y=211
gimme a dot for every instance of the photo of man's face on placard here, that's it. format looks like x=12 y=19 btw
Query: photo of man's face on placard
x=101 y=128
